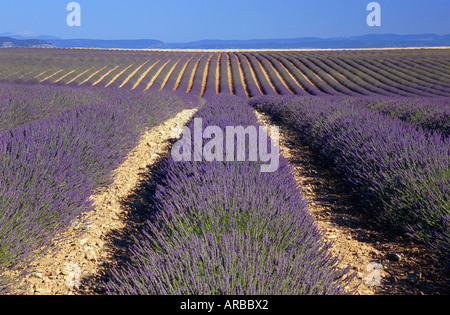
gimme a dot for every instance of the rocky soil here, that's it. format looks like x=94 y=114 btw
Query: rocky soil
x=385 y=263
x=88 y=250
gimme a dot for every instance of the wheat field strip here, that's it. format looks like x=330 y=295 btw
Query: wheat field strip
x=88 y=77
x=238 y=76
x=371 y=80
x=132 y=74
x=437 y=68
x=9 y=75
x=103 y=76
x=65 y=76
x=279 y=75
x=439 y=77
x=78 y=75
x=266 y=83
x=246 y=73
x=298 y=87
x=192 y=78
x=205 y=75
x=390 y=79
x=144 y=74
x=253 y=74
x=118 y=75
x=360 y=79
x=412 y=76
x=442 y=76
x=51 y=76
x=153 y=79
x=40 y=74
x=347 y=86
x=163 y=85
x=230 y=75
x=20 y=73
x=325 y=79
x=181 y=74
x=298 y=68
x=218 y=78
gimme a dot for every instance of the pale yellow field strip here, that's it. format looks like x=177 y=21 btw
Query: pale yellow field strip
x=266 y=75
x=301 y=72
x=218 y=74
x=51 y=76
x=205 y=75
x=92 y=75
x=267 y=50
x=65 y=75
x=144 y=75
x=180 y=76
x=169 y=74
x=79 y=75
x=230 y=75
x=156 y=75
x=13 y=74
x=118 y=75
x=42 y=73
x=333 y=78
x=241 y=74
x=292 y=76
x=26 y=74
x=280 y=77
x=254 y=75
x=133 y=73
x=105 y=75
x=194 y=71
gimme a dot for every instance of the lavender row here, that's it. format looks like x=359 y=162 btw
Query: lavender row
x=49 y=168
x=22 y=104
x=226 y=228
x=431 y=113
x=400 y=172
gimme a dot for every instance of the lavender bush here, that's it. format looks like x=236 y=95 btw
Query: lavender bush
x=401 y=173
x=49 y=168
x=227 y=228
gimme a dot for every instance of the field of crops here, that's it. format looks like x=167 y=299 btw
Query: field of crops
x=246 y=74
x=380 y=119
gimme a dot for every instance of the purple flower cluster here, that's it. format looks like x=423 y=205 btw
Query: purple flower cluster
x=432 y=113
x=400 y=172
x=50 y=167
x=227 y=228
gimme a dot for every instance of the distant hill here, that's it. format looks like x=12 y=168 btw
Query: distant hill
x=98 y=43
x=12 y=42
x=364 y=41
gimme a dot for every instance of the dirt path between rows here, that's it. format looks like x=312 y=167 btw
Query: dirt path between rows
x=85 y=257
x=386 y=264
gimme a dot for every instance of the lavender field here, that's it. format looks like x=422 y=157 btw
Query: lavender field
x=379 y=120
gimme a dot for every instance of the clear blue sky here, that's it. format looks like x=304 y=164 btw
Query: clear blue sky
x=189 y=20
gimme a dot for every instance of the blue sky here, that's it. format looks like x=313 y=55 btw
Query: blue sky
x=189 y=20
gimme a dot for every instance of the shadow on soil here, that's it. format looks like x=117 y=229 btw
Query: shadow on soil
x=412 y=272
x=139 y=208
x=408 y=268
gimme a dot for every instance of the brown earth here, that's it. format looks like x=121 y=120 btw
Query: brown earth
x=386 y=263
